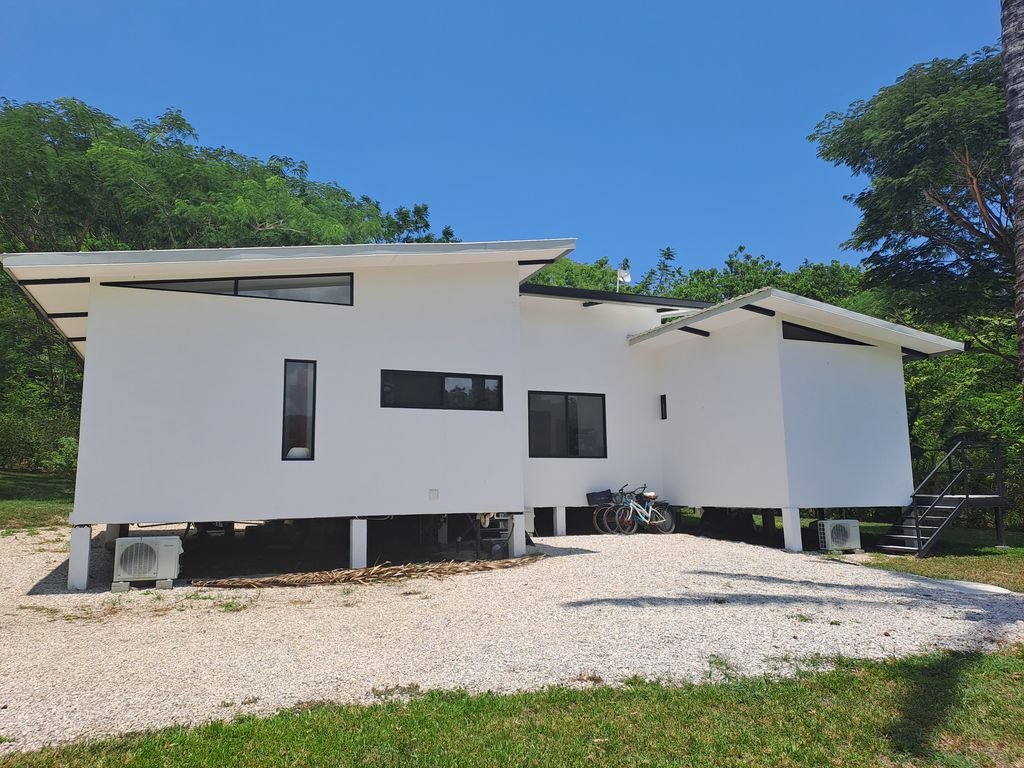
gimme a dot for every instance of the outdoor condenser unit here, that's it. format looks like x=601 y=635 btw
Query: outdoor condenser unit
x=834 y=535
x=146 y=558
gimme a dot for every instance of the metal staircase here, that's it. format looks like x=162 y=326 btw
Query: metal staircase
x=970 y=474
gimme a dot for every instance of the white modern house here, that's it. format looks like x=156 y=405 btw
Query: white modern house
x=284 y=383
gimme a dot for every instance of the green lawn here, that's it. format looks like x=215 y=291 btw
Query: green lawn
x=964 y=554
x=967 y=555
x=34 y=500
x=936 y=710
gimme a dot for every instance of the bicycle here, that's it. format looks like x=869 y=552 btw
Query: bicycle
x=612 y=501
x=631 y=514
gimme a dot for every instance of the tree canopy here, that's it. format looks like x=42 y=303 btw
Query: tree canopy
x=937 y=214
x=74 y=178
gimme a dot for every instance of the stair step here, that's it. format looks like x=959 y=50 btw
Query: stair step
x=904 y=536
x=896 y=548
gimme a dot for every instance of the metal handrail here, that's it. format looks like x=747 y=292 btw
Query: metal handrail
x=930 y=475
x=938 y=498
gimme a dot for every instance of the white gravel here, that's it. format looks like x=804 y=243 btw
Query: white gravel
x=668 y=607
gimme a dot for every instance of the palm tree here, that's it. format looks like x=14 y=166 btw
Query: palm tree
x=1013 y=84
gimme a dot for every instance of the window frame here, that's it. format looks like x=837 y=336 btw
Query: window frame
x=442 y=375
x=284 y=414
x=154 y=285
x=566 y=396
x=663 y=399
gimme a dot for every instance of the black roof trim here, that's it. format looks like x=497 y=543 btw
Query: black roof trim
x=585 y=294
x=913 y=354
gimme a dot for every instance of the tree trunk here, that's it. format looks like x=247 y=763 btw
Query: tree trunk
x=1013 y=83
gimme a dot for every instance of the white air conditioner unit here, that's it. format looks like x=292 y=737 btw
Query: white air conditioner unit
x=146 y=558
x=837 y=535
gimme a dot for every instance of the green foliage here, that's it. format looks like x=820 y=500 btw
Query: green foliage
x=742 y=273
x=64 y=458
x=596 y=276
x=73 y=178
x=936 y=217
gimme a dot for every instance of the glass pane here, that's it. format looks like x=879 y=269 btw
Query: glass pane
x=458 y=392
x=407 y=389
x=547 y=425
x=193 y=286
x=330 y=289
x=586 y=426
x=492 y=394
x=299 y=394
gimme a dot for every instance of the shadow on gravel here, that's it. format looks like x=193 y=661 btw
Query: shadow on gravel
x=993 y=614
x=550 y=551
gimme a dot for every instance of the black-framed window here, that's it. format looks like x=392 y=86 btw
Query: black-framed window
x=664 y=407
x=333 y=288
x=449 y=391
x=299 y=421
x=567 y=425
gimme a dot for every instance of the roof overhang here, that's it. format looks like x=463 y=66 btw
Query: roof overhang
x=808 y=312
x=57 y=284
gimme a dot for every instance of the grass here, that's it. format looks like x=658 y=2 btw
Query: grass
x=34 y=500
x=966 y=555
x=943 y=709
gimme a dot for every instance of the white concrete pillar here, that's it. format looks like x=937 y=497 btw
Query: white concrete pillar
x=791 y=529
x=356 y=543
x=442 y=531
x=78 y=561
x=559 y=521
x=517 y=544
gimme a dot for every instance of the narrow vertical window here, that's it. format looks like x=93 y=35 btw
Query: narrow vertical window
x=664 y=407
x=299 y=410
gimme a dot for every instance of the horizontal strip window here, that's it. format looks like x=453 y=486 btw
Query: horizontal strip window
x=568 y=425
x=796 y=332
x=313 y=289
x=299 y=410
x=445 y=391
x=54 y=281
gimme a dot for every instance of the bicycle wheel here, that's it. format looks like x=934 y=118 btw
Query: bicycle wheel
x=599 y=519
x=610 y=519
x=663 y=519
x=625 y=520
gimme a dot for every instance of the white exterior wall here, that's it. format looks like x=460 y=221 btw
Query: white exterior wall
x=759 y=421
x=846 y=425
x=724 y=444
x=182 y=401
x=571 y=348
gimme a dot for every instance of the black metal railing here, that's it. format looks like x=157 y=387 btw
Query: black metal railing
x=970 y=468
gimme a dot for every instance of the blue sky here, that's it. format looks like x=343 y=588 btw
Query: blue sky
x=629 y=125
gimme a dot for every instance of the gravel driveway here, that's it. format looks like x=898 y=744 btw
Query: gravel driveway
x=92 y=664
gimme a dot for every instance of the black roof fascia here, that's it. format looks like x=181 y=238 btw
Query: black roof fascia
x=586 y=294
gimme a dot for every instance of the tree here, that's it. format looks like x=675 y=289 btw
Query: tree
x=1013 y=78
x=74 y=178
x=937 y=215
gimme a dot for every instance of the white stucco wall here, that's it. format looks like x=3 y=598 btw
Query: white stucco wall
x=571 y=348
x=723 y=440
x=847 y=439
x=182 y=401
x=756 y=420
